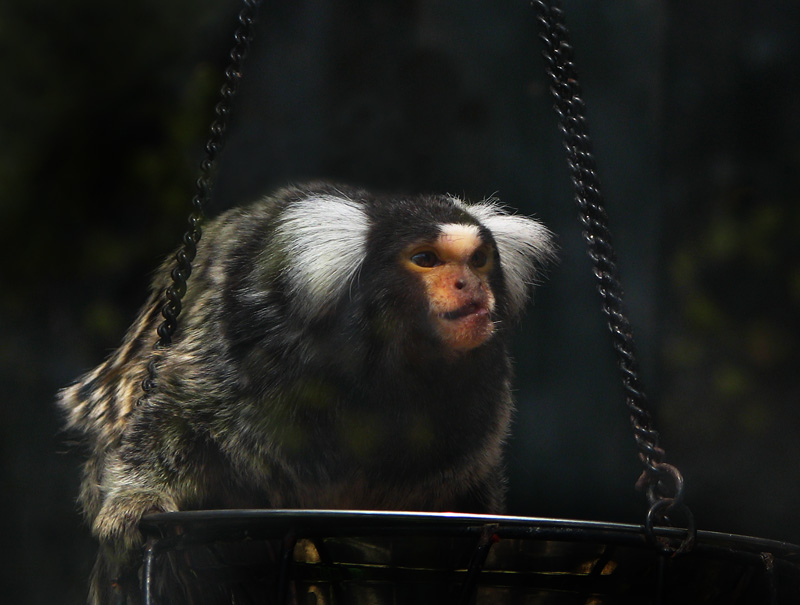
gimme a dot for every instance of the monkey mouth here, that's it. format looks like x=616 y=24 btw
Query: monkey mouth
x=466 y=327
x=471 y=308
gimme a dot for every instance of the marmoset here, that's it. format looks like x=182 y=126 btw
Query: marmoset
x=337 y=349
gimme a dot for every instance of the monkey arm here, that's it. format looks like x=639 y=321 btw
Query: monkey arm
x=154 y=468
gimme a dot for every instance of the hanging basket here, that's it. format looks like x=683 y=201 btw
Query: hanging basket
x=315 y=557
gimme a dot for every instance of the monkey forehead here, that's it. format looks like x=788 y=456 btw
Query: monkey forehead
x=458 y=241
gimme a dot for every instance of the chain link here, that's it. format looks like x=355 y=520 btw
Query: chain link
x=662 y=481
x=173 y=294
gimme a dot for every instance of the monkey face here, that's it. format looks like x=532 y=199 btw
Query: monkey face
x=454 y=269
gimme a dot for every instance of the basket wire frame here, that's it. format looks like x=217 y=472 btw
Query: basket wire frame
x=336 y=557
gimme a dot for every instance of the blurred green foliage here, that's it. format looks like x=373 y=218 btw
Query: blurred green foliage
x=102 y=125
x=735 y=338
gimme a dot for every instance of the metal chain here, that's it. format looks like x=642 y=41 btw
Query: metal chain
x=663 y=482
x=174 y=293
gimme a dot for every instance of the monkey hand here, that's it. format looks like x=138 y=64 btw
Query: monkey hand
x=114 y=577
x=117 y=523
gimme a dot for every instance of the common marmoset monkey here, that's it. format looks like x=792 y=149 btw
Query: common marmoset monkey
x=337 y=349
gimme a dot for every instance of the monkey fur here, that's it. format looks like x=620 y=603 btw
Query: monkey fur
x=336 y=350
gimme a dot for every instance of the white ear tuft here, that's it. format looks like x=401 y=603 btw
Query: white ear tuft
x=524 y=245
x=323 y=238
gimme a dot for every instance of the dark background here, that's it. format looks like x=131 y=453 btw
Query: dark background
x=694 y=112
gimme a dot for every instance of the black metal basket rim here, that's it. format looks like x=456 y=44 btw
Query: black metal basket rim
x=277 y=522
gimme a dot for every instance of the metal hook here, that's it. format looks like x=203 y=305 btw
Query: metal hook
x=661 y=512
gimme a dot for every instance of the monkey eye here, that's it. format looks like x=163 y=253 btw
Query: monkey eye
x=479 y=259
x=426 y=259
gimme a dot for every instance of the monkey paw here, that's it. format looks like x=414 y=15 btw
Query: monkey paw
x=118 y=520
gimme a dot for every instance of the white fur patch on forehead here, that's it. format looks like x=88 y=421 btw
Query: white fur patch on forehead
x=323 y=238
x=460 y=240
x=460 y=230
x=524 y=245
